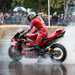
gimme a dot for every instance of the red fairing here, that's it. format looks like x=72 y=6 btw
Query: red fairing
x=52 y=36
x=55 y=34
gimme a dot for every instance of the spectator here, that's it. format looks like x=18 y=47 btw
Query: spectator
x=54 y=19
x=18 y=17
x=7 y=18
x=45 y=18
x=61 y=19
x=1 y=18
x=24 y=20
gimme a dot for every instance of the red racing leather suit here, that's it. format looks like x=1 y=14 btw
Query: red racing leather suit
x=38 y=31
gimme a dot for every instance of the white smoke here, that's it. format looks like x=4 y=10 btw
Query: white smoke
x=69 y=43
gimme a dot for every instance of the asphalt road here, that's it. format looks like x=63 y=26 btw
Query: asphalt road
x=46 y=67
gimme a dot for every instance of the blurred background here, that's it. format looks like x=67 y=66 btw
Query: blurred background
x=15 y=11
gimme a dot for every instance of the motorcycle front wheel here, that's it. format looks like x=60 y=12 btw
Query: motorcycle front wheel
x=14 y=53
x=58 y=52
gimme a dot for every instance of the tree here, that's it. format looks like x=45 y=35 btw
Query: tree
x=35 y=4
x=43 y=4
x=5 y=4
x=57 y=5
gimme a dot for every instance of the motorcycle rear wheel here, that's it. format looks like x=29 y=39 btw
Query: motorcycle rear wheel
x=58 y=52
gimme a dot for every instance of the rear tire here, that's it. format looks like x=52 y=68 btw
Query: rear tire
x=62 y=51
x=14 y=54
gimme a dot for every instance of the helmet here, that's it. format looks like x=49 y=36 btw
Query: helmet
x=31 y=15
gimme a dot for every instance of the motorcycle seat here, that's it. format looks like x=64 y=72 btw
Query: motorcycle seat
x=55 y=34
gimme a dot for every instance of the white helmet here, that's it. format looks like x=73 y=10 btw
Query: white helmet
x=32 y=14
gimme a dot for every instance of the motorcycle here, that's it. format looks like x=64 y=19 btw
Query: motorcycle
x=48 y=46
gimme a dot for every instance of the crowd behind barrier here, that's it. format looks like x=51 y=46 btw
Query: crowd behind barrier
x=21 y=18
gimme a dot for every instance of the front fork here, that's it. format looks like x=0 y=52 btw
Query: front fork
x=17 y=46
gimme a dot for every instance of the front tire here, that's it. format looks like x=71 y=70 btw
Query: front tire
x=58 y=52
x=14 y=54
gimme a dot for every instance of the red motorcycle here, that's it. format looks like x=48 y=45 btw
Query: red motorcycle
x=48 y=46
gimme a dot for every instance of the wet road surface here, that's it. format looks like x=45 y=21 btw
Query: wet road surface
x=17 y=68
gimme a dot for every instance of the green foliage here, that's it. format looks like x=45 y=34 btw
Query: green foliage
x=35 y=4
x=56 y=5
x=5 y=5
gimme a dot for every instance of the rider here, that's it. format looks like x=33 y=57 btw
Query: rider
x=37 y=28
